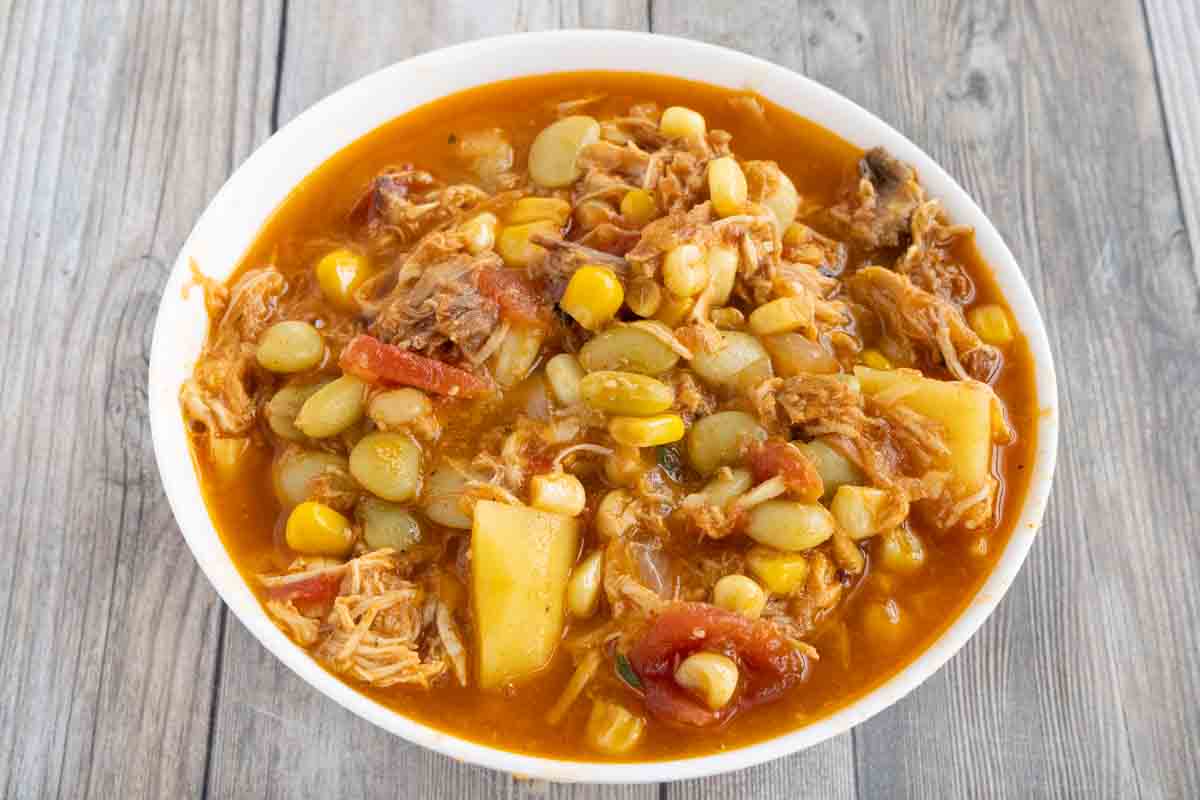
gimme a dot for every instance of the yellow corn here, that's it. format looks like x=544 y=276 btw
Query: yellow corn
x=678 y=122
x=593 y=296
x=558 y=492
x=874 y=359
x=782 y=315
x=339 y=274
x=613 y=730
x=316 y=529
x=480 y=232
x=726 y=186
x=535 y=209
x=646 y=431
x=739 y=594
x=514 y=244
x=991 y=323
x=684 y=272
x=712 y=676
x=638 y=207
x=782 y=573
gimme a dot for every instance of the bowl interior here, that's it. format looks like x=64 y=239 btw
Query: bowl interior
x=244 y=203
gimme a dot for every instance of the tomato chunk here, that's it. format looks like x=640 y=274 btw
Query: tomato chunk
x=519 y=299
x=769 y=663
x=375 y=362
x=776 y=457
x=317 y=588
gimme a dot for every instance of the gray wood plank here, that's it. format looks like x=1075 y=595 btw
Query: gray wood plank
x=1174 y=31
x=274 y=736
x=1073 y=687
x=119 y=123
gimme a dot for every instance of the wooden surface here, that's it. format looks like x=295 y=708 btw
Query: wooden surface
x=1075 y=125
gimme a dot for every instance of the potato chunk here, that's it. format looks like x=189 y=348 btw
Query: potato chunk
x=964 y=408
x=521 y=559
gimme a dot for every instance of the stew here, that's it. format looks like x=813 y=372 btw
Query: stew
x=612 y=416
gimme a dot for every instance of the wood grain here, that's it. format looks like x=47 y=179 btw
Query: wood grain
x=1174 y=32
x=121 y=121
x=1073 y=123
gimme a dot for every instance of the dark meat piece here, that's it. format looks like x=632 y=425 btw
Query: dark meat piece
x=928 y=261
x=444 y=305
x=923 y=324
x=879 y=211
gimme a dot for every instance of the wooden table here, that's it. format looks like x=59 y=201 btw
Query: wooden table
x=1074 y=123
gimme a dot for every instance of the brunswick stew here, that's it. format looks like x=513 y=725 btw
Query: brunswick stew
x=608 y=416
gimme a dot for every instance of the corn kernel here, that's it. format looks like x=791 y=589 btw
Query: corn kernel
x=644 y=297
x=316 y=529
x=515 y=246
x=339 y=273
x=593 y=296
x=480 y=232
x=583 y=587
x=726 y=186
x=613 y=730
x=638 y=207
x=559 y=493
x=711 y=676
x=722 y=263
x=781 y=315
x=991 y=323
x=678 y=122
x=646 y=431
x=739 y=594
x=874 y=359
x=684 y=272
x=782 y=573
x=536 y=209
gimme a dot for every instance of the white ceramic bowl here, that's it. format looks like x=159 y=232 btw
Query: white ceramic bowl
x=244 y=203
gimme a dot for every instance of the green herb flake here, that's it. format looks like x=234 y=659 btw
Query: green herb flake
x=626 y=673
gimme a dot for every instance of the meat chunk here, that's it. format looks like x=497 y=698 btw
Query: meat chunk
x=928 y=261
x=227 y=385
x=895 y=447
x=444 y=306
x=879 y=211
x=923 y=325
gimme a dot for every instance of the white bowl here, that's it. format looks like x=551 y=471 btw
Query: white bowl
x=244 y=203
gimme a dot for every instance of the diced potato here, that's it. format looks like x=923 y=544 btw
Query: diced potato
x=963 y=408
x=533 y=209
x=521 y=560
x=783 y=202
x=681 y=123
x=991 y=323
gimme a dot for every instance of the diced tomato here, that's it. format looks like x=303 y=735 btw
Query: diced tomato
x=319 y=588
x=775 y=457
x=376 y=362
x=519 y=299
x=769 y=663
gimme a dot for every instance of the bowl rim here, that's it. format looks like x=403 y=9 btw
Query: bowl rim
x=270 y=173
